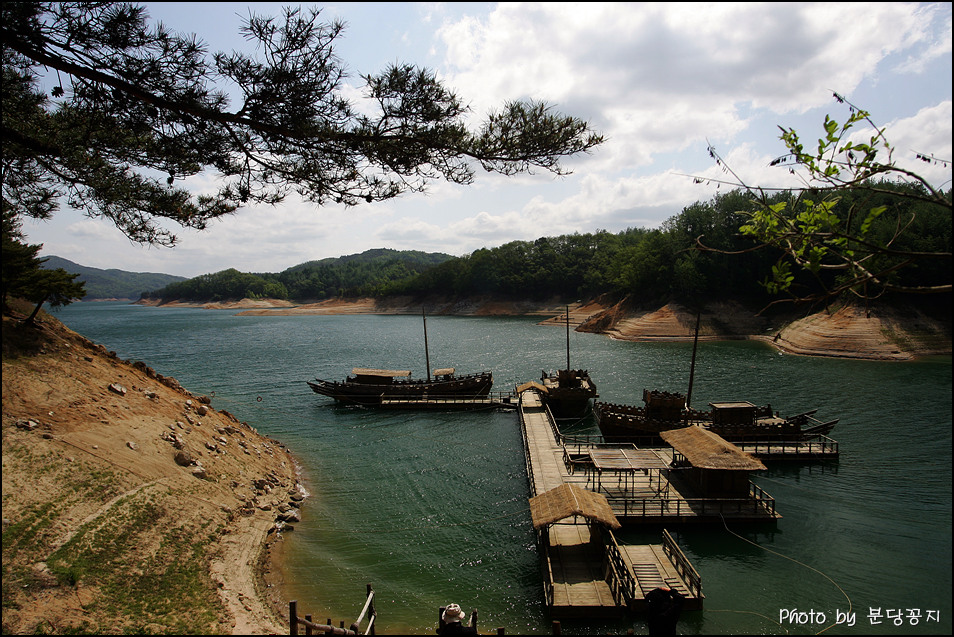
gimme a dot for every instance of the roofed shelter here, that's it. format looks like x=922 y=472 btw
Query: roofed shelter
x=570 y=500
x=718 y=467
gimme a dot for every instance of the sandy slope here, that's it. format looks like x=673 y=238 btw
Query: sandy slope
x=102 y=445
x=882 y=334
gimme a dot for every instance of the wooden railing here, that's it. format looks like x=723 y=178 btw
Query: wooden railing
x=685 y=569
x=328 y=629
x=619 y=576
x=819 y=445
x=526 y=445
x=758 y=503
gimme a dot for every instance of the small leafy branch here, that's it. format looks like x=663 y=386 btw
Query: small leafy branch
x=847 y=226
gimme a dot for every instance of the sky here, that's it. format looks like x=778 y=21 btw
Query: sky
x=660 y=81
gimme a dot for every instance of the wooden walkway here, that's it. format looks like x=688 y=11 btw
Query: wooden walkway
x=494 y=400
x=581 y=576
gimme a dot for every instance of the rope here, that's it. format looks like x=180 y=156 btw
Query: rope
x=791 y=559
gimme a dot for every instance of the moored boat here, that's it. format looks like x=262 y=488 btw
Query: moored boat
x=736 y=421
x=568 y=392
x=371 y=386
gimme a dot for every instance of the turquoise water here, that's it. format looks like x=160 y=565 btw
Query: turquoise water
x=432 y=507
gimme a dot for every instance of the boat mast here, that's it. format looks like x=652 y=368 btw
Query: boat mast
x=692 y=365
x=568 y=338
x=427 y=355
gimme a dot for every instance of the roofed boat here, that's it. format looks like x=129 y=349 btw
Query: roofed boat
x=568 y=391
x=371 y=386
x=736 y=421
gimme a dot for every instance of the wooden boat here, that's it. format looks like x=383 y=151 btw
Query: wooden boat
x=568 y=392
x=371 y=386
x=736 y=421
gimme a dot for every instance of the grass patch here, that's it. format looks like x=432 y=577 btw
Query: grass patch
x=166 y=589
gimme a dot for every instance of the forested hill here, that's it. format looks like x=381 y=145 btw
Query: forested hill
x=370 y=273
x=646 y=265
x=112 y=284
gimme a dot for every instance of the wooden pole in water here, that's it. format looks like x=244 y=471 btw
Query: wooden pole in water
x=427 y=355
x=692 y=365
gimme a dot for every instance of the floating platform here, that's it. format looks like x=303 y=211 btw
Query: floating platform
x=816 y=448
x=585 y=572
x=494 y=400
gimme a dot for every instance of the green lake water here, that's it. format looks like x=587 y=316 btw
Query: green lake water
x=431 y=508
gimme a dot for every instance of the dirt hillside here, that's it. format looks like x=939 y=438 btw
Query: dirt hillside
x=848 y=331
x=129 y=504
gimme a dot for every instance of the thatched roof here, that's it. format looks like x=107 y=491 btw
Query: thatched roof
x=532 y=385
x=706 y=450
x=567 y=500
x=388 y=373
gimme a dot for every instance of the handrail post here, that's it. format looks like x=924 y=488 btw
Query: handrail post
x=293 y=617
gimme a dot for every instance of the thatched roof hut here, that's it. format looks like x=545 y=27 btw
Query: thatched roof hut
x=706 y=450
x=568 y=500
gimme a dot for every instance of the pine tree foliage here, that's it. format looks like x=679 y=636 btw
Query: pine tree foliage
x=136 y=108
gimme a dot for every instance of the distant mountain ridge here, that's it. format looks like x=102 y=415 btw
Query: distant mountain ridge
x=112 y=284
x=371 y=273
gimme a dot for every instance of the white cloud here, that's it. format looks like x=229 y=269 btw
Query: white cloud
x=658 y=80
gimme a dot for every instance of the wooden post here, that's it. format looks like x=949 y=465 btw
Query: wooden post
x=293 y=617
x=556 y=628
x=372 y=615
x=308 y=626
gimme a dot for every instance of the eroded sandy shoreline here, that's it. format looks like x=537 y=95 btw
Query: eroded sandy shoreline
x=845 y=332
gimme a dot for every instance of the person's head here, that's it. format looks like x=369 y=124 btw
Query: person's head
x=452 y=613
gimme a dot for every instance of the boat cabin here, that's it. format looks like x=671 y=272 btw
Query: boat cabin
x=446 y=373
x=733 y=413
x=717 y=468
x=365 y=376
x=664 y=405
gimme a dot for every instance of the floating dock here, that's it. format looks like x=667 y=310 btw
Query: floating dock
x=816 y=448
x=494 y=400
x=585 y=571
